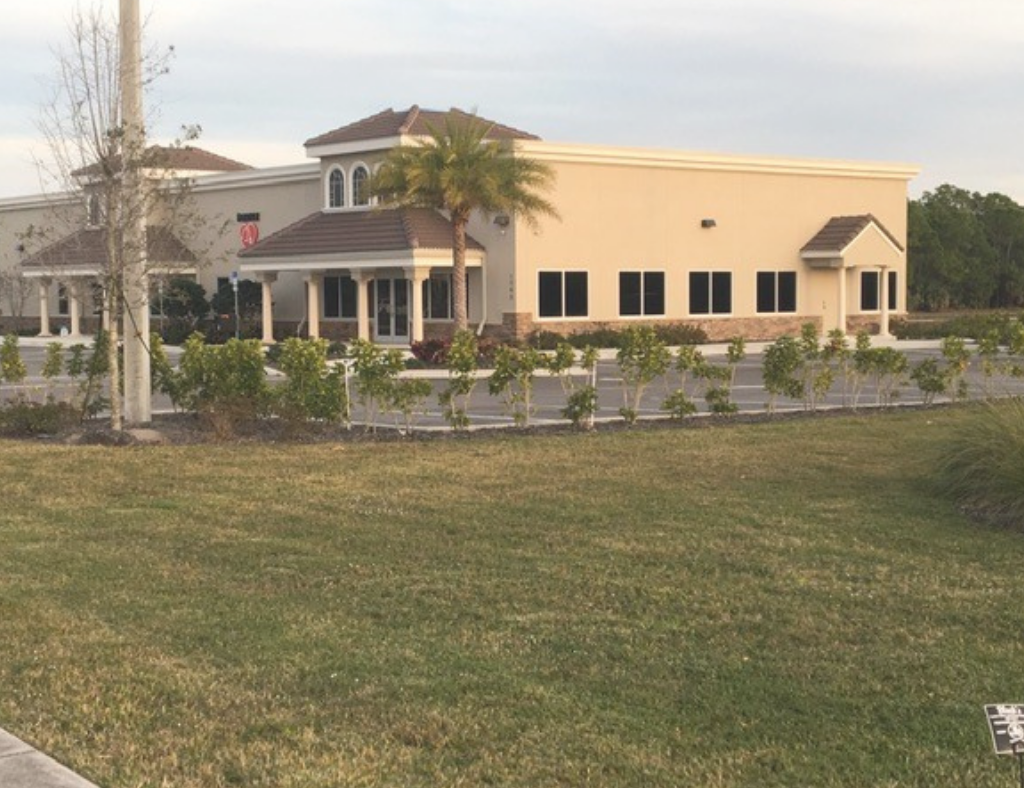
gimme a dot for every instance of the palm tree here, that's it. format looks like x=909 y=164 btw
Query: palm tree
x=459 y=170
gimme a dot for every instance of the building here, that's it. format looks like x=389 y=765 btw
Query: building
x=739 y=245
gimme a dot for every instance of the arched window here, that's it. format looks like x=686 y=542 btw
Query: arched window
x=336 y=189
x=360 y=190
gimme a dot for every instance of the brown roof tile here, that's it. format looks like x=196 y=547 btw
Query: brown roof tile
x=183 y=158
x=353 y=232
x=413 y=121
x=839 y=232
x=87 y=248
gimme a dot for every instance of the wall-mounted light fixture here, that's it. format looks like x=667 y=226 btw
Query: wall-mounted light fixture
x=502 y=221
x=708 y=223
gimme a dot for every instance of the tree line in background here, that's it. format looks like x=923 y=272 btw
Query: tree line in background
x=965 y=251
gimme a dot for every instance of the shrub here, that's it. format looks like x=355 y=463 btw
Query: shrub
x=681 y=334
x=513 y=377
x=982 y=466
x=969 y=326
x=375 y=371
x=312 y=391
x=930 y=379
x=462 y=367
x=607 y=337
x=12 y=368
x=580 y=400
x=782 y=360
x=642 y=358
x=227 y=383
x=23 y=418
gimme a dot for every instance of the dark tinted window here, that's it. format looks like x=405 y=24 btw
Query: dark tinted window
x=349 y=297
x=721 y=293
x=787 y=291
x=700 y=291
x=629 y=294
x=869 y=291
x=654 y=293
x=893 y=299
x=576 y=294
x=549 y=285
x=332 y=297
x=765 y=291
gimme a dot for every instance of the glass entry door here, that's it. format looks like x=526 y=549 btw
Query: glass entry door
x=391 y=308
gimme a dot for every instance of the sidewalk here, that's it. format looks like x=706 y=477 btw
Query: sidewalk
x=22 y=766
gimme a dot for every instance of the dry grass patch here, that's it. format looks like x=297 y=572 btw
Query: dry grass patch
x=781 y=604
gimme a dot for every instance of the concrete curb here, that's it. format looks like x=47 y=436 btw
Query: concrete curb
x=23 y=766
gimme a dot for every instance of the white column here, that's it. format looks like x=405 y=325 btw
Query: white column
x=841 y=306
x=44 y=308
x=416 y=276
x=883 y=296
x=362 y=280
x=75 y=305
x=267 y=280
x=314 y=284
x=106 y=311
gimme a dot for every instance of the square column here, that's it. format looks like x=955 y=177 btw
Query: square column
x=75 y=305
x=44 y=308
x=267 y=280
x=883 y=298
x=362 y=282
x=841 y=307
x=416 y=277
x=314 y=284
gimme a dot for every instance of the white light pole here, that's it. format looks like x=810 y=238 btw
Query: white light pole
x=138 y=391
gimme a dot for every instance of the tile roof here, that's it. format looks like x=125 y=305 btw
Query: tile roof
x=840 y=231
x=183 y=158
x=87 y=248
x=413 y=121
x=354 y=232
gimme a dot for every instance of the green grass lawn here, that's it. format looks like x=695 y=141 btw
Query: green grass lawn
x=780 y=604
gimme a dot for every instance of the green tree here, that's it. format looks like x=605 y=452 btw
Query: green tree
x=459 y=170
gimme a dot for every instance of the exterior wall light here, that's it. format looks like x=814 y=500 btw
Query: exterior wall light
x=502 y=221
x=708 y=223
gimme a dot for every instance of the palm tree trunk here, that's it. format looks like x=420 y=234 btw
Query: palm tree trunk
x=459 y=223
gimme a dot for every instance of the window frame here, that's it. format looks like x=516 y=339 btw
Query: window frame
x=776 y=293
x=338 y=170
x=712 y=312
x=341 y=298
x=644 y=312
x=876 y=275
x=428 y=300
x=563 y=272
x=359 y=165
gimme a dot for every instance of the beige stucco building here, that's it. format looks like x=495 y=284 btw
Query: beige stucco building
x=738 y=245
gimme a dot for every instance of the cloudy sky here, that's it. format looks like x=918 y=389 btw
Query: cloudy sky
x=937 y=83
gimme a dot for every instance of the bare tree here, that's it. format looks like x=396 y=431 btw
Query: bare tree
x=14 y=293
x=103 y=178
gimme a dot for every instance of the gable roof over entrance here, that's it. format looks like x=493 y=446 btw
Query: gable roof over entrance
x=840 y=232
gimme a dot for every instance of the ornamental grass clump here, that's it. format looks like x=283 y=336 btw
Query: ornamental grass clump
x=982 y=467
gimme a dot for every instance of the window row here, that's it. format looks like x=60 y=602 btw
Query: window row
x=339 y=197
x=564 y=294
x=341 y=297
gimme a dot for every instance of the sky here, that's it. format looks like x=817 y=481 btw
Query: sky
x=934 y=83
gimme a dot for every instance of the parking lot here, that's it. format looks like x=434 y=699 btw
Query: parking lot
x=748 y=391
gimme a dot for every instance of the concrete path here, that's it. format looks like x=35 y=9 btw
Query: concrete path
x=22 y=766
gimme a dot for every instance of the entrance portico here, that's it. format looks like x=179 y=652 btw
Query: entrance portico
x=852 y=244
x=369 y=268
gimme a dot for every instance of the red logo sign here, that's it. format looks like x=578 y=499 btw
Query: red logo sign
x=250 y=233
